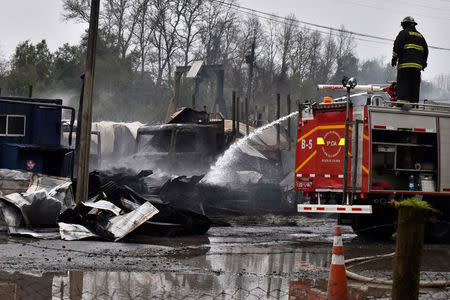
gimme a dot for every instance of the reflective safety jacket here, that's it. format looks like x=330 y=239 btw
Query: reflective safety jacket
x=410 y=48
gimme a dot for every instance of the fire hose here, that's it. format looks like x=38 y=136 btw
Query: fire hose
x=354 y=276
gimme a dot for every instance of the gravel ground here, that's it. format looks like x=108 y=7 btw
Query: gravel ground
x=263 y=257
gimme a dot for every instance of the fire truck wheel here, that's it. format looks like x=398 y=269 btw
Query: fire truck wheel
x=373 y=227
x=437 y=230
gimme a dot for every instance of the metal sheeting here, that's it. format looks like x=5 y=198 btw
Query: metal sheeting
x=40 y=206
x=34 y=207
x=73 y=232
x=118 y=226
x=12 y=181
x=246 y=177
x=102 y=204
x=121 y=225
x=195 y=68
x=247 y=149
x=444 y=136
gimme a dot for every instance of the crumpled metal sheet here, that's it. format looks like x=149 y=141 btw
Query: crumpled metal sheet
x=73 y=232
x=245 y=177
x=121 y=225
x=38 y=205
x=249 y=150
x=287 y=183
x=12 y=181
x=105 y=205
x=10 y=217
x=40 y=208
x=46 y=235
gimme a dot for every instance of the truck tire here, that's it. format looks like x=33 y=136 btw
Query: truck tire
x=437 y=229
x=378 y=226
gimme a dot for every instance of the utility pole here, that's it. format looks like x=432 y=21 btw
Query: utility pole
x=288 y=105
x=86 y=114
x=238 y=116
x=278 y=125
x=233 y=113
x=247 y=128
x=250 y=61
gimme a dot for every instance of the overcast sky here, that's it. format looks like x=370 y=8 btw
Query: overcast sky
x=380 y=18
x=41 y=19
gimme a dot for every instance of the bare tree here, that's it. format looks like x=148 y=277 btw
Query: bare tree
x=122 y=20
x=299 y=56
x=218 y=33
x=315 y=45
x=190 y=32
x=143 y=31
x=166 y=22
x=78 y=10
x=328 y=59
x=286 y=39
x=269 y=49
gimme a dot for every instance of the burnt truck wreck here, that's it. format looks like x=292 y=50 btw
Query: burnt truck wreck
x=189 y=142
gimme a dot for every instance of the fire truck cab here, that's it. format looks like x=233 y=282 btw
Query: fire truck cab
x=394 y=151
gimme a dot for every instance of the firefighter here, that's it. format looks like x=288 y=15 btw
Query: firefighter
x=411 y=53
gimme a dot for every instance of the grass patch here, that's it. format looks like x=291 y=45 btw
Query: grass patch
x=415 y=203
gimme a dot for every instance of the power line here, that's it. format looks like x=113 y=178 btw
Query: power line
x=419 y=5
x=283 y=22
x=272 y=16
x=384 y=9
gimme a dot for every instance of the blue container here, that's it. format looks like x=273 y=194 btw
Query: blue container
x=30 y=137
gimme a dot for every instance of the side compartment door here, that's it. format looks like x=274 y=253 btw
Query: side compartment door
x=444 y=154
x=305 y=155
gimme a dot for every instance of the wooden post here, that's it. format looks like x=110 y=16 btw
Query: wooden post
x=233 y=113
x=247 y=129
x=408 y=251
x=278 y=125
x=86 y=115
x=242 y=110
x=238 y=114
x=266 y=112
x=288 y=105
x=193 y=101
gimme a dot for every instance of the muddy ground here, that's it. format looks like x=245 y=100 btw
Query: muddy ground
x=256 y=258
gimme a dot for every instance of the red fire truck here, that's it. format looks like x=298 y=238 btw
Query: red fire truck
x=392 y=152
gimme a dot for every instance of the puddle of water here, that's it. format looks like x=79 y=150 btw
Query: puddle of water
x=144 y=285
x=248 y=263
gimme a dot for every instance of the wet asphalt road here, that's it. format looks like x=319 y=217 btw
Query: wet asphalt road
x=246 y=261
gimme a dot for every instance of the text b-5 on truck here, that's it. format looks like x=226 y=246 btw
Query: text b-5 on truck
x=393 y=152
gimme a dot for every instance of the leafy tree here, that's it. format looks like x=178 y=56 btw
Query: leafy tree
x=68 y=65
x=30 y=65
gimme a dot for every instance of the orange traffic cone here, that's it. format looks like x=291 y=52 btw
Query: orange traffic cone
x=337 y=282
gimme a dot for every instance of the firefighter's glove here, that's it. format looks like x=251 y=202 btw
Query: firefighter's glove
x=424 y=66
x=394 y=61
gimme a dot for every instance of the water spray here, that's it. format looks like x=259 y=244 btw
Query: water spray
x=220 y=172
